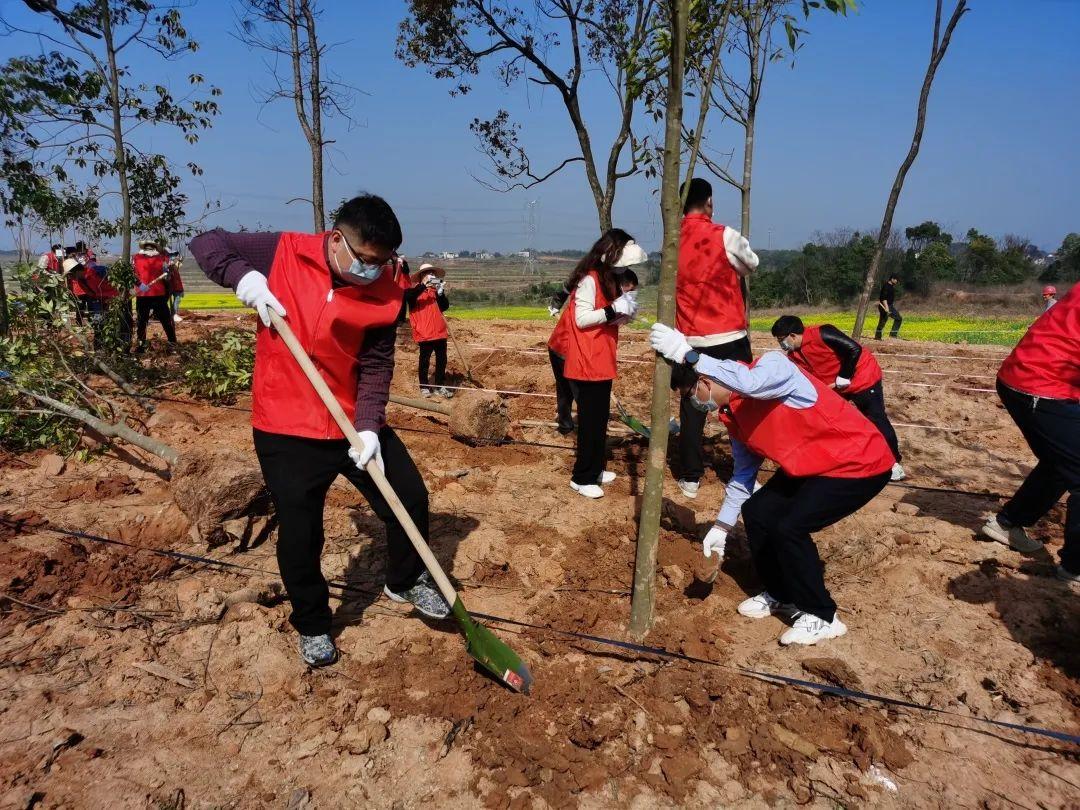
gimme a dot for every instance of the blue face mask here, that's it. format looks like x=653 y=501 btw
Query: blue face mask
x=358 y=272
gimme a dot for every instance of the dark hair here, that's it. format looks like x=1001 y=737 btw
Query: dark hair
x=57 y=246
x=788 y=325
x=893 y=277
x=698 y=195
x=373 y=219
x=80 y=245
x=630 y=276
x=600 y=258
x=683 y=376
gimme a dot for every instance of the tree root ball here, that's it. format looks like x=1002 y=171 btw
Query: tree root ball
x=214 y=487
x=480 y=416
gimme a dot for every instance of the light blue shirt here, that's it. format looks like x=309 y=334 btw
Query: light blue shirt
x=773 y=376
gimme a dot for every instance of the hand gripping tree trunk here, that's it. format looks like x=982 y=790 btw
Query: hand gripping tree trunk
x=641 y=609
x=937 y=53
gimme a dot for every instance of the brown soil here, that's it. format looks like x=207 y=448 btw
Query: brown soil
x=127 y=678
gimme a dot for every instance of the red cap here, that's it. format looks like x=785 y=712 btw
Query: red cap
x=1049 y=289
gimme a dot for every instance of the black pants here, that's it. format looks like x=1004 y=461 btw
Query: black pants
x=781 y=516
x=299 y=473
x=159 y=305
x=427 y=347
x=871 y=404
x=692 y=421
x=883 y=318
x=1051 y=428
x=564 y=392
x=594 y=408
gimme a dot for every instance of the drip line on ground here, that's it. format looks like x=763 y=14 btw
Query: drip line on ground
x=769 y=677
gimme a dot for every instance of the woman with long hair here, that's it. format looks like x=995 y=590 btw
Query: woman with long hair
x=595 y=311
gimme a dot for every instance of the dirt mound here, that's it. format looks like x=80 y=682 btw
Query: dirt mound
x=479 y=415
x=98 y=489
x=215 y=487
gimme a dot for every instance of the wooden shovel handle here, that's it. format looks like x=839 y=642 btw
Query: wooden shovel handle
x=372 y=469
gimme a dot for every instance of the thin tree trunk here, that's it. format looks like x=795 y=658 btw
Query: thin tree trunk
x=317 y=143
x=120 y=152
x=643 y=598
x=937 y=53
x=3 y=304
x=107 y=429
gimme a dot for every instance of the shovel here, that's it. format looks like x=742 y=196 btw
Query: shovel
x=461 y=356
x=492 y=654
x=632 y=422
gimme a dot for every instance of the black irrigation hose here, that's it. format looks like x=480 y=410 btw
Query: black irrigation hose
x=769 y=677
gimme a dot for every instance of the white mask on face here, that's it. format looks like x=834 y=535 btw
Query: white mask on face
x=786 y=346
x=705 y=406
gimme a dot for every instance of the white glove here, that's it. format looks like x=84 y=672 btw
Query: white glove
x=253 y=291
x=715 y=540
x=669 y=343
x=841 y=383
x=553 y=311
x=626 y=306
x=371 y=451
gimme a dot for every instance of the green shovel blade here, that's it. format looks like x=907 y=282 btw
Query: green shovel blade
x=491 y=653
x=635 y=424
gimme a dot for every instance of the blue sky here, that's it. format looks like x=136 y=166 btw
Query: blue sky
x=999 y=152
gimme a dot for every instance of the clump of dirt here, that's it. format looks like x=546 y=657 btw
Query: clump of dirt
x=99 y=489
x=214 y=487
x=479 y=415
x=14 y=523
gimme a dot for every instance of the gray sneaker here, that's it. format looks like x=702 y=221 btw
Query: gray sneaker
x=1065 y=575
x=318 y=651
x=446 y=393
x=424 y=596
x=1013 y=536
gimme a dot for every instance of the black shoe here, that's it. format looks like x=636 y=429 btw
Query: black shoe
x=566 y=428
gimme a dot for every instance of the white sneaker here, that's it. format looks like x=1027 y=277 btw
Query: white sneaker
x=588 y=490
x=689 y=488
x=763 y=605
x=1015 y=537
x=898 y=473
x=425 y=393
x=809 y=629
x=177 y=319
x=606 y=477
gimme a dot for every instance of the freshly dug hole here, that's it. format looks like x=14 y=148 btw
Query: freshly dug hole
x=214 y=487
x=479 y=415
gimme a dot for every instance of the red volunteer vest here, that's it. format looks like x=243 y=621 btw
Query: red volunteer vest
x=330 y=324
x=708 y=296
x=148 y=268
x=559 y=342
x=590 y=353
x=830 y=438
x=816 y=359
x=51 y=262
x=1046 y=361
x=76 y=284
x=176 y=284
x=426 y=319
x=99 y=285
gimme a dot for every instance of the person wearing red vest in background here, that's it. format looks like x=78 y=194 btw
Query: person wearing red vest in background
x=1039 y=385
x=557 y=347
x=710 y=309
x=845 y=366
x=151 y=293
x=175 y=284
x=51 y=259
x=832 y=462
x=340 y=295
x=426 y=300
x=592 y=336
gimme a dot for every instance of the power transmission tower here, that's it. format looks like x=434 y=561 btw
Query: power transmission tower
x=530 y=265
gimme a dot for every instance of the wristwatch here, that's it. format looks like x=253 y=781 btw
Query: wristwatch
x=691 y=357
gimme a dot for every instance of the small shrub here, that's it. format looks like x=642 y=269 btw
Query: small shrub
x=220 y=366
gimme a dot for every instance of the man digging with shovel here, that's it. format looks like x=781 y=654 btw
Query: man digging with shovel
x=343 y=303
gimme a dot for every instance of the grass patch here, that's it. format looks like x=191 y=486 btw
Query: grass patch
x=221 y=300
x=509 y=313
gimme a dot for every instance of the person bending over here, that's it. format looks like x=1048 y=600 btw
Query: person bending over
x=844 y=365
x=339 y=294
x=832 y=461
x=1039 y=385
